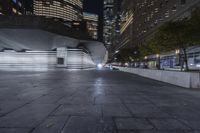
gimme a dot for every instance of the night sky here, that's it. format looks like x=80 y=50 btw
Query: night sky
x=95 y=6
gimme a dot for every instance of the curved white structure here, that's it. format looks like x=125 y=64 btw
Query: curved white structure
x=40 y=41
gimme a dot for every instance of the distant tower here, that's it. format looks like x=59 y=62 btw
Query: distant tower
x=91 y=21
x=108 y=22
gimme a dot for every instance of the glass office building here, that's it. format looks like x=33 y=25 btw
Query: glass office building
x=66 y=10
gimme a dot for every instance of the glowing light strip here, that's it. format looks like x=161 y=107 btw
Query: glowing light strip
x=128 y=22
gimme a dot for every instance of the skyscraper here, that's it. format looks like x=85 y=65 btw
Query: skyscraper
x=108 y=22
x=91 y=21
x=66 y=10
x=115 y=26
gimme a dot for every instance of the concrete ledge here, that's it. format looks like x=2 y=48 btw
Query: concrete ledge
x=183 y=79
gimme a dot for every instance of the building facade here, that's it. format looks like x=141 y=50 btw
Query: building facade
x=115 y=26
x=91 y=21
x=66 y=10
x=141 y=18
x=126 y=27
x=12 y=7
x=108 y=22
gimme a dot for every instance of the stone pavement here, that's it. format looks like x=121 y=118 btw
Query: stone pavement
x=94 y=101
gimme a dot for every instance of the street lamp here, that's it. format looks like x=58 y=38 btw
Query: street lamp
x=158 y=61
x=99 y=66
x=116 y=51
x=178 y=58
x=145 y=63
x=177 y=51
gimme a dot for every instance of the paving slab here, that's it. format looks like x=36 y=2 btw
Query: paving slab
x=14 y=130
x=169 y=124
x=134 y=99
x=53 y=124
x=47 y=99
x=194 y=124
x=80 y=110
x=107 y=100
x=27 y=116
x=9 y=106
x=156 y=131
x=116 y=110
x=133 y=124
x=78 y=124
x=77 y=100
x=147 y=111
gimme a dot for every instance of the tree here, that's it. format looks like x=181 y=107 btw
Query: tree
x=156 y=45
x=145 y=50
x=128 y=55
x=175 y=35
x=194 y=27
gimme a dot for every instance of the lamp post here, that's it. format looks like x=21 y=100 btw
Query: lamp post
x=145 y=63
x=178 y=56
x=117 y=51
x=158 y=61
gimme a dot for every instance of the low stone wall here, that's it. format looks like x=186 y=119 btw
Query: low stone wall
x=183 y=79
